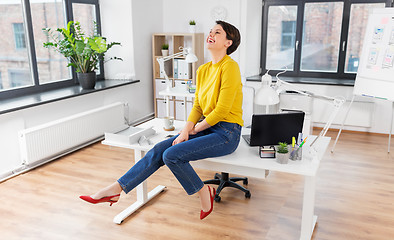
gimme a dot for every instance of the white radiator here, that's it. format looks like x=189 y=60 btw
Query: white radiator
x=360 y=114
x=48 y=141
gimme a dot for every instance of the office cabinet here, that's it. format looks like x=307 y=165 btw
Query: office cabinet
x=176 y=70
x=180 y=109
x=160 y=85
x=161 y=108
x=182 y=84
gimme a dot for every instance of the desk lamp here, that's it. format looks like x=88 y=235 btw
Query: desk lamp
x=336 y=101
x=266 y=99
x=185 y=52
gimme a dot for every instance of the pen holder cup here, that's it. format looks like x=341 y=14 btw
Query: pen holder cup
x=296 y=154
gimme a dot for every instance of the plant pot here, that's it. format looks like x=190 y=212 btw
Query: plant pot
x=192 y=28
x=282 y=158
x=87 y=80
x=164 y=52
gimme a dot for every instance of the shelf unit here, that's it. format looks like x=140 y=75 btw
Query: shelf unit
x=174 y=40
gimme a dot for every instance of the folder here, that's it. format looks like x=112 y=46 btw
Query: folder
x=186 y=70
x=181 y=64
x=176 y=68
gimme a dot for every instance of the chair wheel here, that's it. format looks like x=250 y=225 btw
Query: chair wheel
x=217 y=198
x=247 y=194
x=246 y=181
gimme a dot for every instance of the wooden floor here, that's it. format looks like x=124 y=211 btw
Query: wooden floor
x=354 y=200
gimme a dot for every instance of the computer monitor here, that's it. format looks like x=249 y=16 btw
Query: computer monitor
x=269 y=129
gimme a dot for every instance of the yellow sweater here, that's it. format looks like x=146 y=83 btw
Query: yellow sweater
x=218 y=94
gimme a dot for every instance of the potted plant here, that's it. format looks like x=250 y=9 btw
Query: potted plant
x=164 y=49
x=192 y=26
x=84 y=52
x=282 y=153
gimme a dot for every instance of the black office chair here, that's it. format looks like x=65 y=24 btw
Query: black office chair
x=223 y=180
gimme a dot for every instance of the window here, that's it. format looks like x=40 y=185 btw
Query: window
x=14 y=53
x=321 y=36
x=319 y=39
x=26 y=65
x=357 y=24
x=86 y=15
x=19 y=36
x=280 y=56
x=51 y=65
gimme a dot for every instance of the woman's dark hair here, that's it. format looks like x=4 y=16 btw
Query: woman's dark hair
x=232 y=34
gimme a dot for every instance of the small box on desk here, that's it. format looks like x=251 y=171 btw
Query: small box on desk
x=130 y=135
x=267 y=152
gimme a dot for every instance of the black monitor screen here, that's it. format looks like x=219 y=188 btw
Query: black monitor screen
x=269 y=129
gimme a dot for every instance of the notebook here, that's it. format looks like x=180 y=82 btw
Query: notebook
x=269 y=129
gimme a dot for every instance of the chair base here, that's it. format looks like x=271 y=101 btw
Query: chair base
x=223 y=180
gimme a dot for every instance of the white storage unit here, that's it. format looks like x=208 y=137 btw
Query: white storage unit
x=180 y=109
x=161 y=108
x=160 y=85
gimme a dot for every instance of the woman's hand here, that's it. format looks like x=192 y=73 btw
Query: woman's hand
x=183 y=136
x=193 y=131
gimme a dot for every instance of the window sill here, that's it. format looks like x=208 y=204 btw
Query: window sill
x=32 y=100
x=306 y=80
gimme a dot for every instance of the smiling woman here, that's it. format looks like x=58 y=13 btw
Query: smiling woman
x=218 y=101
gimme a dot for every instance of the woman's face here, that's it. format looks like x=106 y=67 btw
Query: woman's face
x=216 y=39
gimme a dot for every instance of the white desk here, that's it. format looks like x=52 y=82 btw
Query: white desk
x=244 y=161
x=176 y=92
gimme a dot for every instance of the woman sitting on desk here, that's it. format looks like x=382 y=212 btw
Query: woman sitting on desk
x=218 y=98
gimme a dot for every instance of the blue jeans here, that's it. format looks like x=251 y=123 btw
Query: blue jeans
x=218 y=140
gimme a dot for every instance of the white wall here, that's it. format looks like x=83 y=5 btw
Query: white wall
x=132 y=23
x=177 y=13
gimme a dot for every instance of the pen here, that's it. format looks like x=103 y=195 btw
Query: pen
x=303 y=142
x=299 y=139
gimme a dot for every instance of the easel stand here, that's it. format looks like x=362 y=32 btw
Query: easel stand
x=391 y=125
x=343 y=123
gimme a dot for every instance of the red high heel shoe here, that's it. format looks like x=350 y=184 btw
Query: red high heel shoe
x=204 y=214
x=101 y=200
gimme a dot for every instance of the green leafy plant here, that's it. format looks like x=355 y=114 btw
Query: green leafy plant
x=282 y=148
x=164 y=46
x=192 y=22
x=84 y=52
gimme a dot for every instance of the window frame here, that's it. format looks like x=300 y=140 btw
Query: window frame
x=340 y=74
x=36 y=86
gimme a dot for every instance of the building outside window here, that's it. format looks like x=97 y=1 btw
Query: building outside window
x=288 y=34
x=19 y=78
x=19 y=36
x=319 y=39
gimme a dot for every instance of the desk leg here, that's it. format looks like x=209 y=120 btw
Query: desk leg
x=167 y=106
x=308 y=218
x=185 y=114
x=142 y=195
